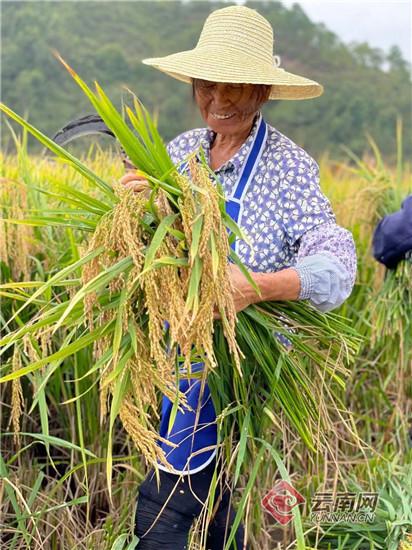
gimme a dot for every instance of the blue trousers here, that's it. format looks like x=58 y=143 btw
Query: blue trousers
x=171 y=530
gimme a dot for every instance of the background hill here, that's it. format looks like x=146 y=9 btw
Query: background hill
x=106 y=41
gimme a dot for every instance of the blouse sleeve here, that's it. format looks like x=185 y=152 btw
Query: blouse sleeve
x=326 y=265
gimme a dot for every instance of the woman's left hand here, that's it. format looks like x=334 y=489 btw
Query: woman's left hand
x=243 y=293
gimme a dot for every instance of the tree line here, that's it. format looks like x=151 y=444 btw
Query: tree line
x=366 y=89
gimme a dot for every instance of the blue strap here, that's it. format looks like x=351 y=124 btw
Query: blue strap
x=233 y=204
x=251 y=160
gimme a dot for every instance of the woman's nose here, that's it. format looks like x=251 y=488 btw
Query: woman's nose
x=221 y=94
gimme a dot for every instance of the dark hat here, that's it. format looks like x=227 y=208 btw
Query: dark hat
x=392 y=238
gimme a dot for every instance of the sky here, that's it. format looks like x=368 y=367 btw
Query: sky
x=381 y=23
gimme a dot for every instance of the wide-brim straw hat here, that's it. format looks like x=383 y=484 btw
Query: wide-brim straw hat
x=236 y=45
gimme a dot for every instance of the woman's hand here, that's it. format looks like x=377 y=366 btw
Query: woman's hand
x=243 y=292
x=279 y=285
x=133 y=180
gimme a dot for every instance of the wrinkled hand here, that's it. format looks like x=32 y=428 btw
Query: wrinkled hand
x=243 y=293
x=133 y=180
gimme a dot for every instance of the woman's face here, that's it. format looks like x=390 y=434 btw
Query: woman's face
x=229 y=108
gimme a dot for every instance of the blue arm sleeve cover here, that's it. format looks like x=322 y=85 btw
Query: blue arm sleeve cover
x=324 y=281
x=326 y=265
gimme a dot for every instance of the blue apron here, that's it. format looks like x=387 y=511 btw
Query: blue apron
x=197 y=440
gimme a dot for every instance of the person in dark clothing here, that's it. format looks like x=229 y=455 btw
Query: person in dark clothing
x=392 y=238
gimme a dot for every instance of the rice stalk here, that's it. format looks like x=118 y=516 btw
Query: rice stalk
x=159 y=273
x=16 y=241
x=166 y=260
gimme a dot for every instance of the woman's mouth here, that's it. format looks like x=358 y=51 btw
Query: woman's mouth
x=222 y=117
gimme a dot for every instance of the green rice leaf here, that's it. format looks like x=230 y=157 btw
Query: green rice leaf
x=58 y=277
x=79 y=344
x=118 y=329
x=60 y=152
x=242 y=445
x=169 y=260
x=245 y=496
x=192 y=300
x=120 y=390
x=215 y=254
x=52 y=440
x=196 y=232
x=157 y=239
x=97 y=283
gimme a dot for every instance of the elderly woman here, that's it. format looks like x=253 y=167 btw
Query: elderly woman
x=272 y=190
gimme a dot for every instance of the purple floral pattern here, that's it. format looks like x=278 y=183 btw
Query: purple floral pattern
x=284 y=212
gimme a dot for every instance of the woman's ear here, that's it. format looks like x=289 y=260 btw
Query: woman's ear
x=268 y=90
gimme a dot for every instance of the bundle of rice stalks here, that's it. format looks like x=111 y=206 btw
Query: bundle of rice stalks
x=166 y=259
x=145 y=264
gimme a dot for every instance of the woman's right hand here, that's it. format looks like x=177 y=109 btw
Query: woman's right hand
x=139 y=184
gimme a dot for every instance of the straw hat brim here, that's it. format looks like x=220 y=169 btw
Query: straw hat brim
x=234 y=67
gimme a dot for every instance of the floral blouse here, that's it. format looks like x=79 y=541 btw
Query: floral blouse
x=287 y=218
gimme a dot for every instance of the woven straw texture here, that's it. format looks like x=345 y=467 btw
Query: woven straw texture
x=236 y=45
